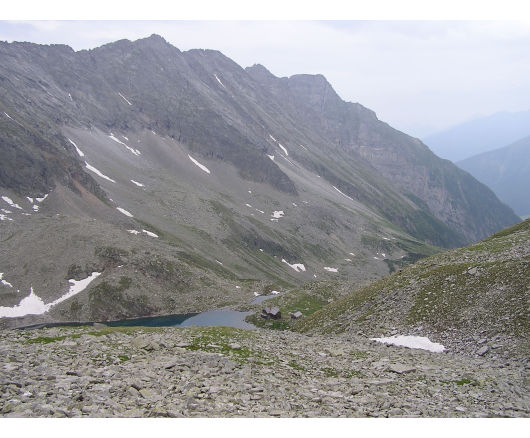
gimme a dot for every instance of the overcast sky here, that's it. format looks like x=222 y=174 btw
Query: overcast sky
x=418 y=76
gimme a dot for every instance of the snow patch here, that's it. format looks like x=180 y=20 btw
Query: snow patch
x=8 y=116
x=201 y=166
x=219 y=80
x=117 y=140
x=43 y=198
x=277 y=214
x=283 y=149
x=294 y=205
x=274 y=220
x=261 y=211
x=11 y=203
x=33 y=304
x=123 y=211
x=250 y=191
x=6 y=211
x=419 y=342
x=79 y=151
x=76 y=287
x=4 y=282
x=256 y=294
x=331 y=269
x=275 y=292
x=298 y=267
x=248 y=205
x=348 y=260
x=219 y=262
x=149 y=233
x=343 y=194
x=351 y=253
x=97 y=172
x=3 y=217
x=303 y=147
x=271 y=157
x=137 y=183
x=272 y=138
x=29 y=199
x=261 y=250
x=70 y=96
x=35 y=208
x=133 y=231
x=124 y=98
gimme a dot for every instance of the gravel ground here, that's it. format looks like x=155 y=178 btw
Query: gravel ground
x=222 y=372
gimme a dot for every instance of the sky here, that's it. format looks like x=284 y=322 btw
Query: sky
x=419 y=76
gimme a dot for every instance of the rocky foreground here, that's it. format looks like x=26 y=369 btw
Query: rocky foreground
x=221 y=372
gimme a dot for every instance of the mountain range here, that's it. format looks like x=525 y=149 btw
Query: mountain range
x=506 y=171
x=479 y=135
x=186 y=182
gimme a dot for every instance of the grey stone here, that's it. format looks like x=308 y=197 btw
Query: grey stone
x=140 y=342
x=482 y=351
x=400 y=368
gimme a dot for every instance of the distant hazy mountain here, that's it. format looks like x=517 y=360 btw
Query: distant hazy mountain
x=480 y=135
x=507 y=172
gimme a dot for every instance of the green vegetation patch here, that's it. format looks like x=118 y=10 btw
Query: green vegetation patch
x=221 y=340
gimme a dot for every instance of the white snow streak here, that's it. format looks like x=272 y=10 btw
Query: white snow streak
x=11 y=203
x=33 y=305
x=8 y=115
x=133 y=231
x=271 y=157
x=331 y=269
x=123 y=211
x=277 y=214
x=29 y=199
x=343 y=194
x=43 y=198
x=261 y=211
x=6 y=211
x=219 y=80
x=97 y=172
x=70 y=96
x=248 y=205
x=275 y=292
x=219 y=262
x=149 y=233
x=298 y=267
x=3 y=217
x=124 y=98
x=137 y=183
x=117 y=140
x=283 y=149
x=79 y=151
x=273 y=139
x=4 y=282
x=201 y=166
x=419 y=342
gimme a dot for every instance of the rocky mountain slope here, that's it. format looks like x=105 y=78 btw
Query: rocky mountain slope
x=506 y=171
x=180 y=182
x=473 y=300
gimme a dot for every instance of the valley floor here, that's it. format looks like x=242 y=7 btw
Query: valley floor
x=222 y=372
